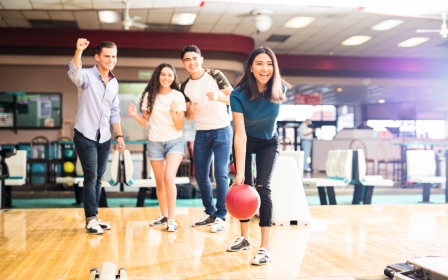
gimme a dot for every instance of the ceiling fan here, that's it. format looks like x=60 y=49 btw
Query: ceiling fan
x=127 y=21
x=261 y=17
x=443 y=31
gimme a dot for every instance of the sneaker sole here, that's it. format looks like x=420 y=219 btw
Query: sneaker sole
x=239 y=250
x=195 y=225
x=262 y=263
x=106 y=228
x=215 y=231
x=157 y=225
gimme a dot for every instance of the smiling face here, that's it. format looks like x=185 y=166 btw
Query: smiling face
x=192 y=62
x=166 y=78
x=263 y=70
x=107 y=59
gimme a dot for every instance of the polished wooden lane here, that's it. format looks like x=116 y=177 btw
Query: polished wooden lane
x=342 y=242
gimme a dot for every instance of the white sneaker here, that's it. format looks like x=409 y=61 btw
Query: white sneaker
x=159 y=221
x=263 y=257
x=172 y=226
x=103 y=225
x=204 y=221
x=218 y=225
x=94 y=227
x=239 y=245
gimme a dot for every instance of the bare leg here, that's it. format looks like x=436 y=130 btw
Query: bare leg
x=265 y=237
x=158 y=166
x=172 y=164
x=245 y=229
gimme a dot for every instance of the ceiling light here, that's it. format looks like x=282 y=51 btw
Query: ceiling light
x=299 y=22
x=381 y=101
x=263 y=22
x=183 y=18
x=109 y=16
x=262 y=19
x=387 y=24
x=356 y=40
x=412 y=42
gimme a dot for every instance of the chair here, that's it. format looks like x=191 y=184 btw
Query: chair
x=16 y=169
x=339 y=174
x=364 y=184
x=387 y=155
x=142 y=184
x=358 y=144
x=421 y=169
x=39 y=160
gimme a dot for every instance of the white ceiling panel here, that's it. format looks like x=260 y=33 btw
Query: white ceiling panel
x=20 y=23
x=61 y=15
x=89 y=24
x=40 y=15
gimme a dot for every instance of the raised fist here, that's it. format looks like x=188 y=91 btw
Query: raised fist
x=82 y=44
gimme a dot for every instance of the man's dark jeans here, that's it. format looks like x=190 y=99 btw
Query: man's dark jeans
x=93 y=156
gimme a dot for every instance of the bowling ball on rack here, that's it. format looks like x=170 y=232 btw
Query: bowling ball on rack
x=69 y=167
x=242 y=202
x=68 y=153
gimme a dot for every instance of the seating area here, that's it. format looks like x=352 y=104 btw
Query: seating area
x=421 y=170
x=14 y=170
x=142 y=184
x=343 y=168
x=339 y=174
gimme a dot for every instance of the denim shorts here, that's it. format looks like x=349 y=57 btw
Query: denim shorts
x=159 y=150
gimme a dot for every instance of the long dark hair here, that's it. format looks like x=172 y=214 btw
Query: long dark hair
x=274 y=87
x=153 y=86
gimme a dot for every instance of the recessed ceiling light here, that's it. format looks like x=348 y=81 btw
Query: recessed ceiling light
x=412 y=42
x=339 y=89
x=183 y=18
x=109 y=16
x=356 y=40
x=387 y=24
x=299 y=22
x=381 y=101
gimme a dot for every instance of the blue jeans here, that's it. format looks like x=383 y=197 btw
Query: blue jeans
x=217 y=142
x=306 y=147
x=93 y=157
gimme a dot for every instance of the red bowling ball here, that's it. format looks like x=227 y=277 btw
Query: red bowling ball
x=242 y=202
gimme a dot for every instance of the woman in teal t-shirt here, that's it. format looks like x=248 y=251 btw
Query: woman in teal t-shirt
x=255 y=105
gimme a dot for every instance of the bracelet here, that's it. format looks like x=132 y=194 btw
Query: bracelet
x=116 y=137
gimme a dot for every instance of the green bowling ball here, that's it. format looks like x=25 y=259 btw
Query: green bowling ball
x=68 y=153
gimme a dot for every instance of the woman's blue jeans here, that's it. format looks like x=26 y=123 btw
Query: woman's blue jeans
x=216 y=143
x=93 y=156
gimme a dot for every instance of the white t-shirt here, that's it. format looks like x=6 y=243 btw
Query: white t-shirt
x=212 y=114
x=161 y=125
x=304 y=129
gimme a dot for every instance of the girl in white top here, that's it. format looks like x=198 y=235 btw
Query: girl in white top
x=163 y=109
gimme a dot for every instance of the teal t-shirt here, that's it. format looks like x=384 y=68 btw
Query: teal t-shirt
x=260 y=116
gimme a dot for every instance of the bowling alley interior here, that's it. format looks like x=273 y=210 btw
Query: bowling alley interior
x=359 y=181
